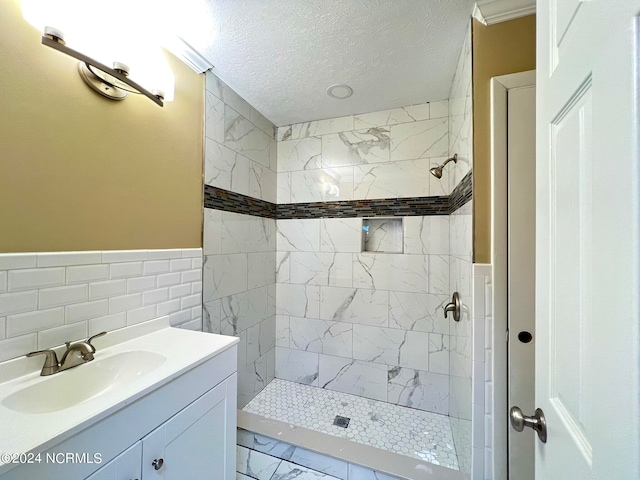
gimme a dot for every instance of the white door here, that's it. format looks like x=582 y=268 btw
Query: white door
x=587 y=249
x=521 y=211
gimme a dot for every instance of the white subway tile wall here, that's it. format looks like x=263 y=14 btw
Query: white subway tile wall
x=482 y=421
x=49 y=298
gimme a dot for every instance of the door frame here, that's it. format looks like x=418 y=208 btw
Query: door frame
x=500 y=87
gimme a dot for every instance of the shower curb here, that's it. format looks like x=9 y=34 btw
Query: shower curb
x=376 y=459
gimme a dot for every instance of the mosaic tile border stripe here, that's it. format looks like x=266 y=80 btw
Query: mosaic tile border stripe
x=220 y=199
x=389 y=207
x=462 y=193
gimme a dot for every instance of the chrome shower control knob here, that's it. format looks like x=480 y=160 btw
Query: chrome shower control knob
x=157 y=463
x=453 y=307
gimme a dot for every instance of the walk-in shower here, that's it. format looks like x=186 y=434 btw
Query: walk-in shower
x=331 y=250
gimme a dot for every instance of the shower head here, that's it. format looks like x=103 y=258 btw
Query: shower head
x=437 y=171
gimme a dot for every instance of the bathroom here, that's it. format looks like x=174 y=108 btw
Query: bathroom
x=332 y=236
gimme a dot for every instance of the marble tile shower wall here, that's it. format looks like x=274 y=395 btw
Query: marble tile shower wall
x=383 y=154
x=461 y=117
x=240 y=149
x=460 y=386
x=461 y=258
x=369 y=324
x=52 y=297
x=239 y=250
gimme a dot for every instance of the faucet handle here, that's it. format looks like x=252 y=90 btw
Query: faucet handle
x=50 y=362
x=454 y=306
x=90 y=339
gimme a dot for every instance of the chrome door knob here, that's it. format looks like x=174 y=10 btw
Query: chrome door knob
x=157 y=463
x=537 y=422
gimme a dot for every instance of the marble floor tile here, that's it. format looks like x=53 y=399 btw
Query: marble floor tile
x=255 y=464
x=418 y=434
x=321 y=463
x=289 y=471
x=275 y=448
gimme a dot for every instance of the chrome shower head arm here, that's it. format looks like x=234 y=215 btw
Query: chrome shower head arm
x=453 y=159
x=437 y=171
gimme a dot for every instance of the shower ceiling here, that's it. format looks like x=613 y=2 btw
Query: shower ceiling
x=282 y=55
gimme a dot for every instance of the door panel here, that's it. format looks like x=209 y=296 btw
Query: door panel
x=587 y=240
x=571 y=266
x=563 y=11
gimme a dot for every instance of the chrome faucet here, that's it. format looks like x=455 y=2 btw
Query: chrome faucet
x=76 y=354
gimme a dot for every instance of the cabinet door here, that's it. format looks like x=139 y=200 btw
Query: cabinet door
x=198 y=443
x=126 y=466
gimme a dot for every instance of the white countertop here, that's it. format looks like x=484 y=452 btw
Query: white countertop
x=37 y=432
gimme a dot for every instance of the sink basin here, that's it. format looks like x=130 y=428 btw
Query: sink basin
x=84 y=382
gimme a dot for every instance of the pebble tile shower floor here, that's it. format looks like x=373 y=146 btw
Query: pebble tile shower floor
x=415 y=433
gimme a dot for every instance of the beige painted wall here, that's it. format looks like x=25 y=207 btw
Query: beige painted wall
x=80 y=172
x=499 y=49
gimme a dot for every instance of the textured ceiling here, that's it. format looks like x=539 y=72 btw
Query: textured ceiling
x=281 y=55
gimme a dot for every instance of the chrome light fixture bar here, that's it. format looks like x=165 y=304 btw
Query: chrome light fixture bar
x=112 y=83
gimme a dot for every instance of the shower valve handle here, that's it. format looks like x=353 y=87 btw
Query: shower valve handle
x=454 y=307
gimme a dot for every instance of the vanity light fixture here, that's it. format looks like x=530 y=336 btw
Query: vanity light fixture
x=112 y=83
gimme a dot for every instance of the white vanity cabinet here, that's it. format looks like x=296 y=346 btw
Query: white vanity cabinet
x=192 y=445
x=187 y=426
